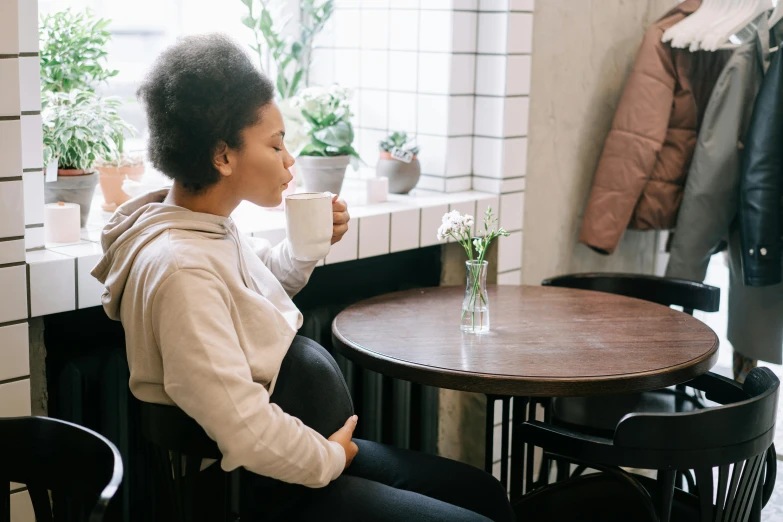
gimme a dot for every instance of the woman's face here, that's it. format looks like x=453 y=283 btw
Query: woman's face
x=259 y=171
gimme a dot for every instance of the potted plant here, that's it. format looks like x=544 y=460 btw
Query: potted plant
x=114 y=172
x=399 y=163
x=79 y=129
x=329 y=150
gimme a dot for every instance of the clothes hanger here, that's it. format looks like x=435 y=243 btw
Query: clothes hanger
x=733 y=10
x=777 y=14
x=719 y=11
x=751 y=9
x=679 y=33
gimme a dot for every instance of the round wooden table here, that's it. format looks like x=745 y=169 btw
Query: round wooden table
x=543 y=342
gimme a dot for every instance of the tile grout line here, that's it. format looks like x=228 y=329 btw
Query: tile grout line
x=11 y=238
x=29 y=304
x=12 y=323
x=76 y=282
x=14 y=379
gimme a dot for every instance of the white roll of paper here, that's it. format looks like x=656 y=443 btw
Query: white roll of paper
x=61 y=222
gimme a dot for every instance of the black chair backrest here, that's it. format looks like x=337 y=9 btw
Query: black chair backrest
x=688 y=294
x=48 y=454
x=737 y=438
x=748 y=414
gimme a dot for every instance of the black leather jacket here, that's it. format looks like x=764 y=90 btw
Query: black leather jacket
x=761 y=183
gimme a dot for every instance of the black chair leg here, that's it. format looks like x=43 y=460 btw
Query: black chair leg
x=666 y=483
x=705 y=487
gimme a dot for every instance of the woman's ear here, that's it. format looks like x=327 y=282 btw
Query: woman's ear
x=223 y=159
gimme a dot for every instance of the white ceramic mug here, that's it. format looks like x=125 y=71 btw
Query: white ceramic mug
x=309 y=224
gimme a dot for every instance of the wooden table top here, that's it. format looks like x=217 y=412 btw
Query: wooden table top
x=544 y=341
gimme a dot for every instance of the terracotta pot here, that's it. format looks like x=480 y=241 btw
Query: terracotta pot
x=73 y=172
x=402 y=176
x=111 y=179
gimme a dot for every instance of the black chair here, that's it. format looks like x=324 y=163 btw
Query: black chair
x=74 y=463
x=600 y=415
x=735 y=437
x=181 y=445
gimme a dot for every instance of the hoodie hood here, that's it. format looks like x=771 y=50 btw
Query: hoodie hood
x=134 y=225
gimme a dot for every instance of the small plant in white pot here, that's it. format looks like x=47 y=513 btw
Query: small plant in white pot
x=79 y=129
x=323 y=160
x=399 y=163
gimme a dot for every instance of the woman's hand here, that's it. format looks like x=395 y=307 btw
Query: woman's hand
x=340 y=218
x=343 y=437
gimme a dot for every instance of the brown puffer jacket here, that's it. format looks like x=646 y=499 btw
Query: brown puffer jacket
x=641 y=173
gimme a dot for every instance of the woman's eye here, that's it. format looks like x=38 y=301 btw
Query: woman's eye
x=278 y=149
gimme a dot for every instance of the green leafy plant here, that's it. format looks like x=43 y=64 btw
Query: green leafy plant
x=292 y=56
x=327 y=114
x=81 y=128
x=399 y=140
x=73 y=51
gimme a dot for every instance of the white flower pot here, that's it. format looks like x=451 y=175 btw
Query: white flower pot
x=322 y=174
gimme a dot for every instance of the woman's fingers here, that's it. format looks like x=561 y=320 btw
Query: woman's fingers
x=340 y=218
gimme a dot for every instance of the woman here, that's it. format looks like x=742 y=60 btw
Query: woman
x=209 y=321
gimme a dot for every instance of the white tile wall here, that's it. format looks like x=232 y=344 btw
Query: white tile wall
x=433 y=160
x=510 y=252
x=498 y=186
x=493 y=5
x=30 y=78
x=347 y=249
x=345 y=23
x=489 y=116
x=9 y=87
x=28 y=26
x=14 y=351
x=434 y=73
x=516 y=116
x=403 y=115
x=467 y=207
x=512 y=211
x=403 y=29
x=435 y=31
x=32 y=137
x=34 y=238
x=463 y=37
x=322 y=71
x=15 y=399
x=374 y=234
x=481 y=208
x=518 y=75
x=10 y=148
x=11 y=251
x=403 y=71
x=9 y=27
x=373 y=109
x=514 y=157
x=459 y=154
x=432 y=183
x=346 y=67
x=430 y=221
x=33 y=186
x=375 y=29
x=433 y=115
x=11 y=208
x=491 y=75
x=404 y=230
x=22 y=507
x=52 y=282
x=520 y=33
x=458 y=184
x=492 y=33
x=374 y=67
x=522 y=5
x=460 y=115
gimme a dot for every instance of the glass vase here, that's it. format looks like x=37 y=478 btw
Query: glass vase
x=475 y=305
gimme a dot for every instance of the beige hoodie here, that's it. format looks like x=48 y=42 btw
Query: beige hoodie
x=208 y=318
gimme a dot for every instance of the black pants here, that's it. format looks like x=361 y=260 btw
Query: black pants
x=383 y=484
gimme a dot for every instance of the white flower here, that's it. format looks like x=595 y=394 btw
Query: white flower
x=455 y=224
